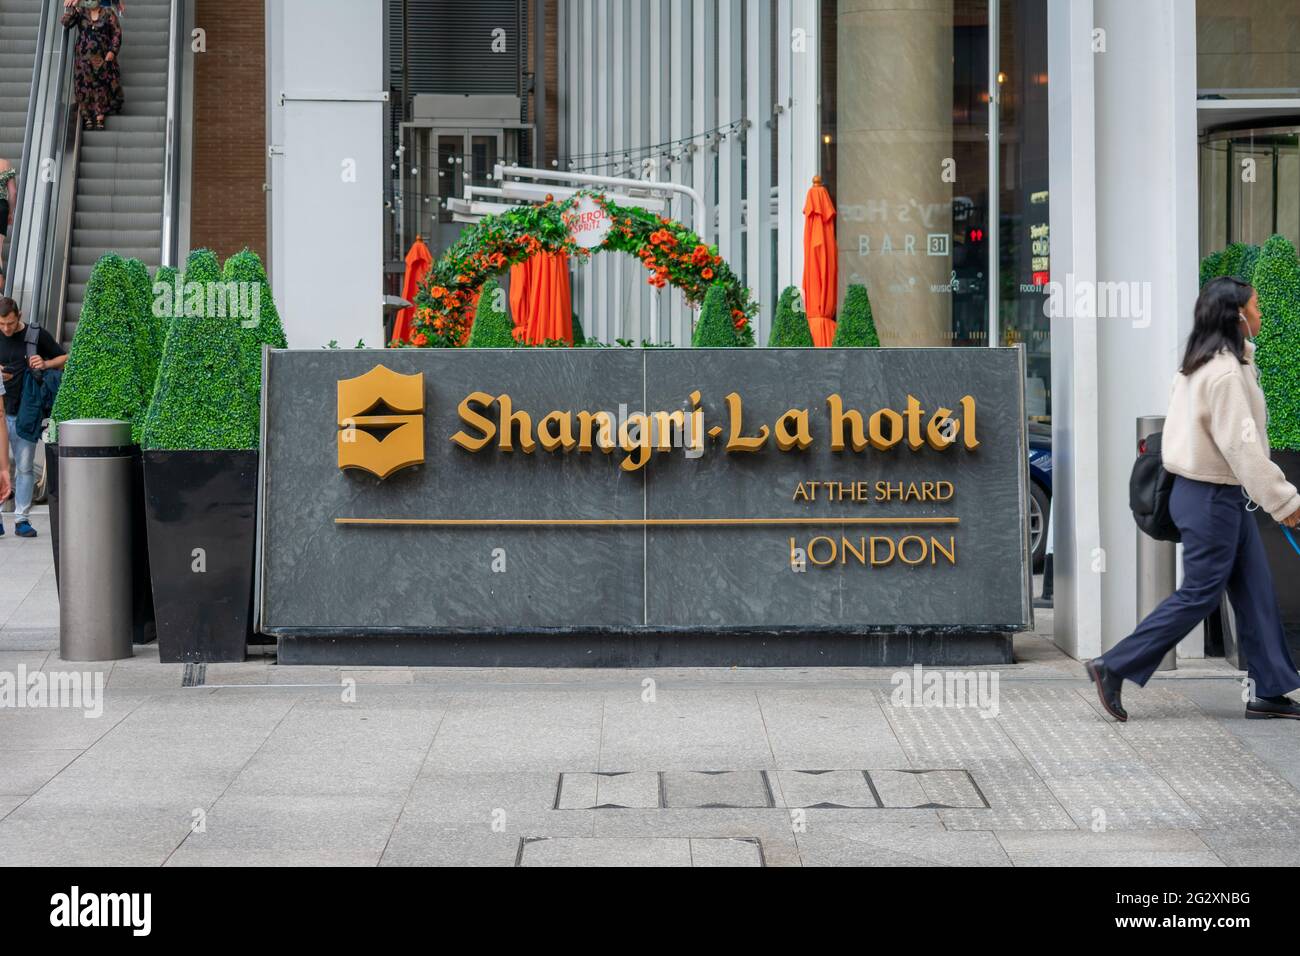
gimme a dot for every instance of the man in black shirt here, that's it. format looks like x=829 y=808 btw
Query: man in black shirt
x=15 y=363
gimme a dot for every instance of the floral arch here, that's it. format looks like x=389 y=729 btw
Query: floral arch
x=673 y=254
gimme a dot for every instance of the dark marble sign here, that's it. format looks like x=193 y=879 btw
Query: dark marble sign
x=712 y=529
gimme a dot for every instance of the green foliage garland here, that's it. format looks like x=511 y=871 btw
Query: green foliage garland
x=673 y=254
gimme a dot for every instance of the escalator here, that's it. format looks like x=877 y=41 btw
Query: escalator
x=85 y=193
x=118 y=204
x=19 y=33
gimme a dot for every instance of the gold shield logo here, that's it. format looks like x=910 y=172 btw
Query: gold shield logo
x=369 y=438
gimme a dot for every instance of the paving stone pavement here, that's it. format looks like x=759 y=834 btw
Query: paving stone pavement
x=260 y=764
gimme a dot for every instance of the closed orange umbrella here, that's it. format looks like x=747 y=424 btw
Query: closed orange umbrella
x=418 y=262
x=550 y=305
x=820 y=264
x=521 y=274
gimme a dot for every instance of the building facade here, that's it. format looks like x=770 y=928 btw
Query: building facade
x=988 y=162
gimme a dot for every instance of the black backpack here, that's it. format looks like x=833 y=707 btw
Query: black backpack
x=1149 y=488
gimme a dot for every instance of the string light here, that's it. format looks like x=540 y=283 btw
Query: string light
x=665 y=153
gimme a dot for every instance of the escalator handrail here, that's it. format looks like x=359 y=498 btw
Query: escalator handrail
x=172 y=146
x=29 y=124
x=51 y=287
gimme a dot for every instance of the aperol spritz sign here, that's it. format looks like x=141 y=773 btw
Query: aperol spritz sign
x=588 y=222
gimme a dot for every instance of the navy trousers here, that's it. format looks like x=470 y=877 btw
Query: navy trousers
x=1222 y=550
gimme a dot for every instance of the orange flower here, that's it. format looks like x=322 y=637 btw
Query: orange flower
x=707 y=273
x=437 y=292
x=497 y=260
x=740 y=323
x=439 y=323
x=420 y=339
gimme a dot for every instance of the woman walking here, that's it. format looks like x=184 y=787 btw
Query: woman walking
x=96 y=73
x=1215 y=443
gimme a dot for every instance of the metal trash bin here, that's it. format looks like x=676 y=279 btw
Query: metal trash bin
x=1157 y=561
x=95 y=480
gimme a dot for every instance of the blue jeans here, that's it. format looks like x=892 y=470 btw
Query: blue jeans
x=24 y=453
x=1222 y=550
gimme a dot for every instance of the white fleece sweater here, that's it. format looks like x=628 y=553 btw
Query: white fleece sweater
x=1217 y=431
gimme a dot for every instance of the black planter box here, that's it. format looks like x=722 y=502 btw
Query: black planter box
x=202 y=500
x=1282 y=559
x=52 y=499
x=142 y=609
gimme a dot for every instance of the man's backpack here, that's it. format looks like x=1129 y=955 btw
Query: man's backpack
x=1149 y=487
x=38 y=394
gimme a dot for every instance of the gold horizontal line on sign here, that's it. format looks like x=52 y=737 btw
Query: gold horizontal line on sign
x=628 y=522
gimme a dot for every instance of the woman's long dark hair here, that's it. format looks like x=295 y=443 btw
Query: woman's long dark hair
x=1217 y=324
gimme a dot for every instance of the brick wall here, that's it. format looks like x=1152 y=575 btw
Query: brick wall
x=228 y=206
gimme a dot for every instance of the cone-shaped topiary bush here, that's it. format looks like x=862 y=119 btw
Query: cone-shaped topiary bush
x=790 y=327
x=1249 y=260
x=1238 y=259
x=106 y=375
x=493 y=328
x=147 y=347
x=162 y=307
x=1277 y=281
x=201 y=401
x=1210 y=266
x=579 y=336
x=715 y=329
x=259 y=322
x=856 y=327
x=202 y=265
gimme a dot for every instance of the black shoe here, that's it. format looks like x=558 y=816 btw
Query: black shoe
x=1262 y=708
x=1108 y=688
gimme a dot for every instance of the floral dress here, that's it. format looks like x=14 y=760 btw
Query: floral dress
x=98 y=80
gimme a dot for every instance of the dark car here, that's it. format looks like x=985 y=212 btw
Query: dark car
x=1040 y=490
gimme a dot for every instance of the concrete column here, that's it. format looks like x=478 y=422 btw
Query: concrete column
x=1147 y=228
x=1073 y=235
x=894 y=111
x=326 y=122
x=1123 y=234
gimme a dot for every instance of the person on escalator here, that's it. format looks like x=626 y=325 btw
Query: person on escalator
x=8 y=202
x=96 y=73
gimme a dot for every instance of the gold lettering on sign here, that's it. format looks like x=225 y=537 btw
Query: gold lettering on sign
x=509 y=419
x=792 y=430
x=738 y=441
x=839 y=418
x=486 y=428
x=547 y=435
x=644 y=434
